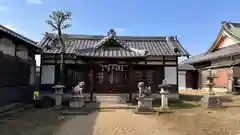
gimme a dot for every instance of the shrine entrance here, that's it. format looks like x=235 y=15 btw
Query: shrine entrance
x=111 y=78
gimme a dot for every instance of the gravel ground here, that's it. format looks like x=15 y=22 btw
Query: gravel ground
x=194 y=121
x=199 y=121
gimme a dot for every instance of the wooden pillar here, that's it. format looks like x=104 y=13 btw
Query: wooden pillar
x=163 y=67
x=93 y=74
x=62 y=68
x=130 y=81
x=144 y=71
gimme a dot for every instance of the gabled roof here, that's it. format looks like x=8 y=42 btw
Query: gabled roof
x=128 y=46
x=228 y=51
x=228 y=29
x=28 y=41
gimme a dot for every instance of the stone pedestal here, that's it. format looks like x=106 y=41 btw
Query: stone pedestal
x=145 y=104
x=164 y=99
x=210 y=101
x=145 y=101
x=77 y=102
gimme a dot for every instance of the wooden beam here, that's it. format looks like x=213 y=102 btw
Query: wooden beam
x=163 y=67
x=93 y=78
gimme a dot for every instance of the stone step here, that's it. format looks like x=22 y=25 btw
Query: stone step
x=110 y=99
x=109 y=106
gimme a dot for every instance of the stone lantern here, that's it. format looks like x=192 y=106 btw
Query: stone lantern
x=164 y=94
x=210 y=99
x=58 y=94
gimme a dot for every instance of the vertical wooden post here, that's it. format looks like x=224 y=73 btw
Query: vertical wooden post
x=163 y=67
x=130 y=81
x=145 y=73
x=93 y=74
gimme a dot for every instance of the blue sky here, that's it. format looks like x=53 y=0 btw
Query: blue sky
x=197 y=22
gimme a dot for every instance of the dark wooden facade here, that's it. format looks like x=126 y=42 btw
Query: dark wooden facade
x=111 y=64
x=90 y=71
x=16 y=71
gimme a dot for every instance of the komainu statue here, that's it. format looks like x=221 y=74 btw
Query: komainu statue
x=143 y=90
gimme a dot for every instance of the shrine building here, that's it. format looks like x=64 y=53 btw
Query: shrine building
x=111 y=64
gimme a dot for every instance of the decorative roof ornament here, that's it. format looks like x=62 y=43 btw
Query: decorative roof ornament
x=169 y=38
x=138 y=51
x=112 y=32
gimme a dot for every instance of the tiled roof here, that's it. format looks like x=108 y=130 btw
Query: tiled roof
x=108 y=52
x=91 y=45
x=233 y=29
x=18 y=36
x=224 y=52
x=185 y=67
x=230 y=29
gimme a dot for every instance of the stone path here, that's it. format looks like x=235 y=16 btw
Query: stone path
x=113 y=122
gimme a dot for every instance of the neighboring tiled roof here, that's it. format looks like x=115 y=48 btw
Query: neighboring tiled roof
x=192 y=58
x=185 y=67
x=224 y=52
x=88 y=45
x=233 y=29
x=18 y=36
x=230 y=29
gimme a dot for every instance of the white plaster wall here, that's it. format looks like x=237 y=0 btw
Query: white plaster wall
x=181 y=80
x=171 y=75
x=7 y=46
x=48 y=74
x=22 y=52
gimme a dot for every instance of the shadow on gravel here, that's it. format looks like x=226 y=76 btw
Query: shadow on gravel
x=185 y=97
x=48 y=121
x=79 y=121
x=183 y=105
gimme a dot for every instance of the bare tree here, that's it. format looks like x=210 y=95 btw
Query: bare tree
x=57 y=20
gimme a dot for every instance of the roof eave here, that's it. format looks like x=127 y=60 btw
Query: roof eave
x=24 y=39
x=182 y=49
x=229 y=33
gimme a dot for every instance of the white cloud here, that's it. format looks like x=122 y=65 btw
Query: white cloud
x=3 y=8
x=35 y=1
x=119 y=30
